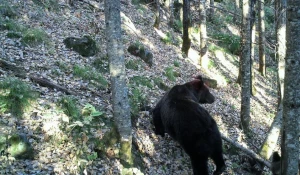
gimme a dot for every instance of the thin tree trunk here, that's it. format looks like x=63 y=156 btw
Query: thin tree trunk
x=245 y=66
x=261 y=38
x=236 y=7
x=121 y=109
x=157 y=15
x=203 y=36
x=186 y=44
x=291 y=101
x=270 y=141
x=281 y=44
x=253 y=30
x=211 y=12
x=171 y=7
x=178 y=14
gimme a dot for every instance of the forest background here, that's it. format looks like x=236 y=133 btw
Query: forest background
x=57 y=109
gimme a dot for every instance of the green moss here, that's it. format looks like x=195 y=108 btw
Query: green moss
x=125 y=153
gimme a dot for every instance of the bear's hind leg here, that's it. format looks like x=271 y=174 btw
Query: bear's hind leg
x=199 y=164
x=217 y=157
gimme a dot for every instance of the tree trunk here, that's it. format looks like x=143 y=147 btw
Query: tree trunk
x=171 y=7
x=211 y=12
x=261 y=38
x=270 y=141
x=236 y=7
x=178 y=10
x=157 y=15
x=281 y=43
x=203 y=36
x=186 y=43
x=121 y=109
x=245 y=66
x=291 y=100
x=253 y=30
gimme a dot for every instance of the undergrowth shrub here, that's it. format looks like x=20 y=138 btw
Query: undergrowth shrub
x=15 y=96
x=87 y=73
x=137 y=99
x=69 y=106
x=34 y=37
x=139 y=80
x=230 y=42
x=170 y=73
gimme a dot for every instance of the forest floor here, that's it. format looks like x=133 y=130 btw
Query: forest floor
x=60 y=152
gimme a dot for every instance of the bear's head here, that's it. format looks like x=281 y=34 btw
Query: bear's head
x=200 y=90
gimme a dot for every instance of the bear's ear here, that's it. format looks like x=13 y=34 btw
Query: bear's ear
x=198 y=77
x=196 y=84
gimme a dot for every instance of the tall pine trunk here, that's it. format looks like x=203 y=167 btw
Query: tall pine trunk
x=171 y=10
x=245 y=66
x=186 y=43
x=261 y=37
x=114 y=47
x=203 y=36
x=211 y=12
x=253 y=38
x=291 y=100
x=157 y=14
x=281 y=44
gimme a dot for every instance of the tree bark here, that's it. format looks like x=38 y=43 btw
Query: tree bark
x=178 y=13
x=203 y=36
x=211 y=12
x=253 y=30
x=270 y=141
x=291 y=100
x=280 y=43
x=186 y=43
x=171 y=9
x=261 y=37
x=236 y=8
x=121 y=109
x=157 y=14
x=245 y=66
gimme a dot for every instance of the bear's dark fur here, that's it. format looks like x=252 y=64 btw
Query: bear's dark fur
x=179 y=114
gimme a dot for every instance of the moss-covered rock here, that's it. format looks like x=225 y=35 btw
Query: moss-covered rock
x=20 y=147
x=139 y=50
x=85 y=46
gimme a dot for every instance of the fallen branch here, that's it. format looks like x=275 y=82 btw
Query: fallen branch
x=247 y=151
x=18 y=72
x=47 y=83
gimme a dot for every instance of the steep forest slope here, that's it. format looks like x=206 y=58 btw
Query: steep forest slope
x=63 y=136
